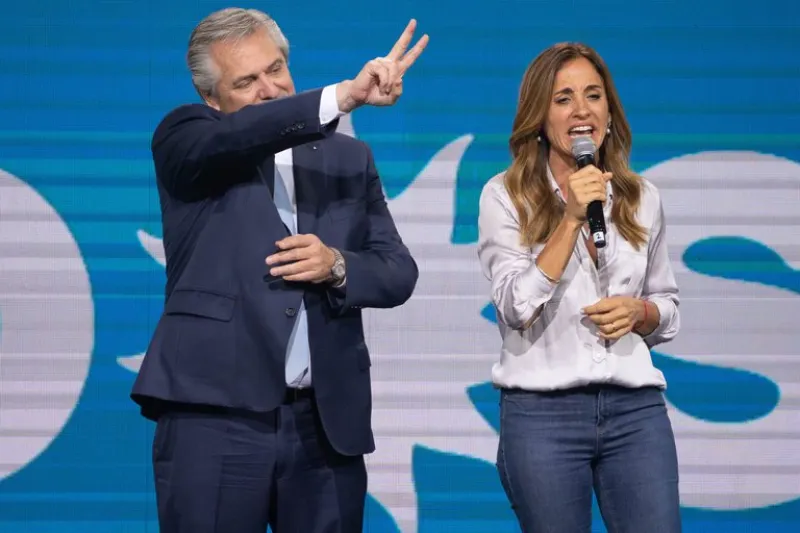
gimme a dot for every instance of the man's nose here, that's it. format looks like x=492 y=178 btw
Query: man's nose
x=267 y=89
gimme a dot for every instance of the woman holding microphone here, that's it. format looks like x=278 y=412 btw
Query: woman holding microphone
x=582 y=406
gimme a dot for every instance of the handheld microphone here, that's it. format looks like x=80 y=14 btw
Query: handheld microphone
x=583 y=149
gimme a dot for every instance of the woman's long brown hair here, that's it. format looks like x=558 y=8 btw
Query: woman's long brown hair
x=526 y=180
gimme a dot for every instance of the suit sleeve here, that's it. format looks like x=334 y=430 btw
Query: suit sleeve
x=382 y=274
x=196 y=146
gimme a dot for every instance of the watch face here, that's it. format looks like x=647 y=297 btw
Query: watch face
x=338 y=270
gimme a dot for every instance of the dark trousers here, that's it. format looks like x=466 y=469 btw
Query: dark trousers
x=221 y=471
x=556 y=447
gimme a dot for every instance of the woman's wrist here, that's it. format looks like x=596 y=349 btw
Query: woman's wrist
x=641 y=314
x=572 y=223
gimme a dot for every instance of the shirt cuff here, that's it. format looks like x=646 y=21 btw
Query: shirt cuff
x=328 y=106
x=665 y=329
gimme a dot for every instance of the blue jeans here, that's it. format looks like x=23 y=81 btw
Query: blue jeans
x=555 y=446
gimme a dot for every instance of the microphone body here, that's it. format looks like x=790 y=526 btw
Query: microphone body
x=583 y=149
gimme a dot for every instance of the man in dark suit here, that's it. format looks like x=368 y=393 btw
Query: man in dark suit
x=277 y=234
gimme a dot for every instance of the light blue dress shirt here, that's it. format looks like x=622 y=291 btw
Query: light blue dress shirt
x=298 y=353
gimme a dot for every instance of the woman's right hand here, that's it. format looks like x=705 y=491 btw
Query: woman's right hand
x=585 y=186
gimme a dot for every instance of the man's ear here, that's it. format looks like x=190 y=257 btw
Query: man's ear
x=211 y=101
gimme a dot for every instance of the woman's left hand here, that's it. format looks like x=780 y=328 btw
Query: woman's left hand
x=616 y=316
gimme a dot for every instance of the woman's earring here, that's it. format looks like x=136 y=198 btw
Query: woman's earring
x=538 y=138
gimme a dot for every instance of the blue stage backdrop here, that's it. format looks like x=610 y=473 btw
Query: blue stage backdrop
x=711 y=89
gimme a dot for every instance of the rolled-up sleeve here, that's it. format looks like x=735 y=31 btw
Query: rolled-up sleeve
x=659 y=284
x=519 y=288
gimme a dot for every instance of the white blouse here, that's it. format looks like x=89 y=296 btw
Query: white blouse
x=561 y=348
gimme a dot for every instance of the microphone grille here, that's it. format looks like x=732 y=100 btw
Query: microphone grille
x=583 y=145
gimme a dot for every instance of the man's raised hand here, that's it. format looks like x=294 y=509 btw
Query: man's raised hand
x=380 y=82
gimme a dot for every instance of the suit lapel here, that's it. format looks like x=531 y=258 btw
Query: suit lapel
x=309 y=181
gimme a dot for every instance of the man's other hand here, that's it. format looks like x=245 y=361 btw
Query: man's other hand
x=301 y=258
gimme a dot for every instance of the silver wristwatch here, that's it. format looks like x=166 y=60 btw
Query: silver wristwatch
x=337 y=270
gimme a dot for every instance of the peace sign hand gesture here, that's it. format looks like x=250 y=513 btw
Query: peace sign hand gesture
x=380 y=82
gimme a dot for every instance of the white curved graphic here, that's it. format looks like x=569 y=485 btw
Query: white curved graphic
x=735 y=324
x=46 y=324
x=155 y=249
x=345 y=126
x=153 y=246
x=427 y=352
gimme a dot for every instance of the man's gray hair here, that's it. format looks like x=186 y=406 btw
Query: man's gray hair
x=230 y=24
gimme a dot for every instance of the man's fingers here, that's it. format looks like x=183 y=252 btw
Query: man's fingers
x=379 y=68
x=295 y=254
x=413 y=54
x=305 y=270
x=391 y=78
x=402 y=43
x=304 y=276
x=292 y=248
x=292 y=269
x=296 y=241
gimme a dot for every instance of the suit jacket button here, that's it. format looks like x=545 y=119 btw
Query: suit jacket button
x=291 y=311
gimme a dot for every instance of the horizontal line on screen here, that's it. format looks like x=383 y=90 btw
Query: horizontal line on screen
x=640 y=139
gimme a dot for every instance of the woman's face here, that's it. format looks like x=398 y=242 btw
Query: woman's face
x=578 y=107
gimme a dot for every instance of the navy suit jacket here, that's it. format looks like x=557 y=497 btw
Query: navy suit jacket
x=222 y=338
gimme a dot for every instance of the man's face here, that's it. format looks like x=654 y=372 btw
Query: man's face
x=251 y=71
